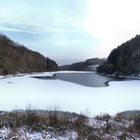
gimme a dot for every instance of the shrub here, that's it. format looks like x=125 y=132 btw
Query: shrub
x=53 y=118
x=31 y=117
x=136 y=124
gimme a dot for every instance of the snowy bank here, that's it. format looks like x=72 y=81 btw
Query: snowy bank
x=19 y=92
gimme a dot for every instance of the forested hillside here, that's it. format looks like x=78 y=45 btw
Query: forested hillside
x=125 y=59
x=17 y=58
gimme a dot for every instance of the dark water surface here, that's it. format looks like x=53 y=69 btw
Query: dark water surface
x=86 y=79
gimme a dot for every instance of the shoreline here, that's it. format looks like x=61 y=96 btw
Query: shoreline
x=44 y=89
x=53 y=76
x=120 y=76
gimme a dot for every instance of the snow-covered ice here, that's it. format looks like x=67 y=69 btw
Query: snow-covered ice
x=19 y=92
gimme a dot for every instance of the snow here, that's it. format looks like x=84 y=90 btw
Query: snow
x=4 y=132
x=22 y=134
x=20 y=91
x=93 y=67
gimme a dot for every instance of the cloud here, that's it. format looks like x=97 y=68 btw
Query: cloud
x=113 y=21
x=12 y=29
x=72 y=28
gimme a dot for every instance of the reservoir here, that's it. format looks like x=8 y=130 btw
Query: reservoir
x=86 y=79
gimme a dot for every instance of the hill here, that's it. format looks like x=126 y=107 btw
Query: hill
x=88 y=65
x=17 y=58
x=124 y=60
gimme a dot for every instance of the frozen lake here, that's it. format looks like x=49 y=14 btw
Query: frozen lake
x=19 y=92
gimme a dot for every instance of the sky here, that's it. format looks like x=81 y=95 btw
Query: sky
x=70 y=30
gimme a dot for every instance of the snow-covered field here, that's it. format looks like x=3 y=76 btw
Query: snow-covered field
x=21 y=91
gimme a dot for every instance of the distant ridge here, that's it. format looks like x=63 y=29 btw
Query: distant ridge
x=88 y=65
x=17 y=58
